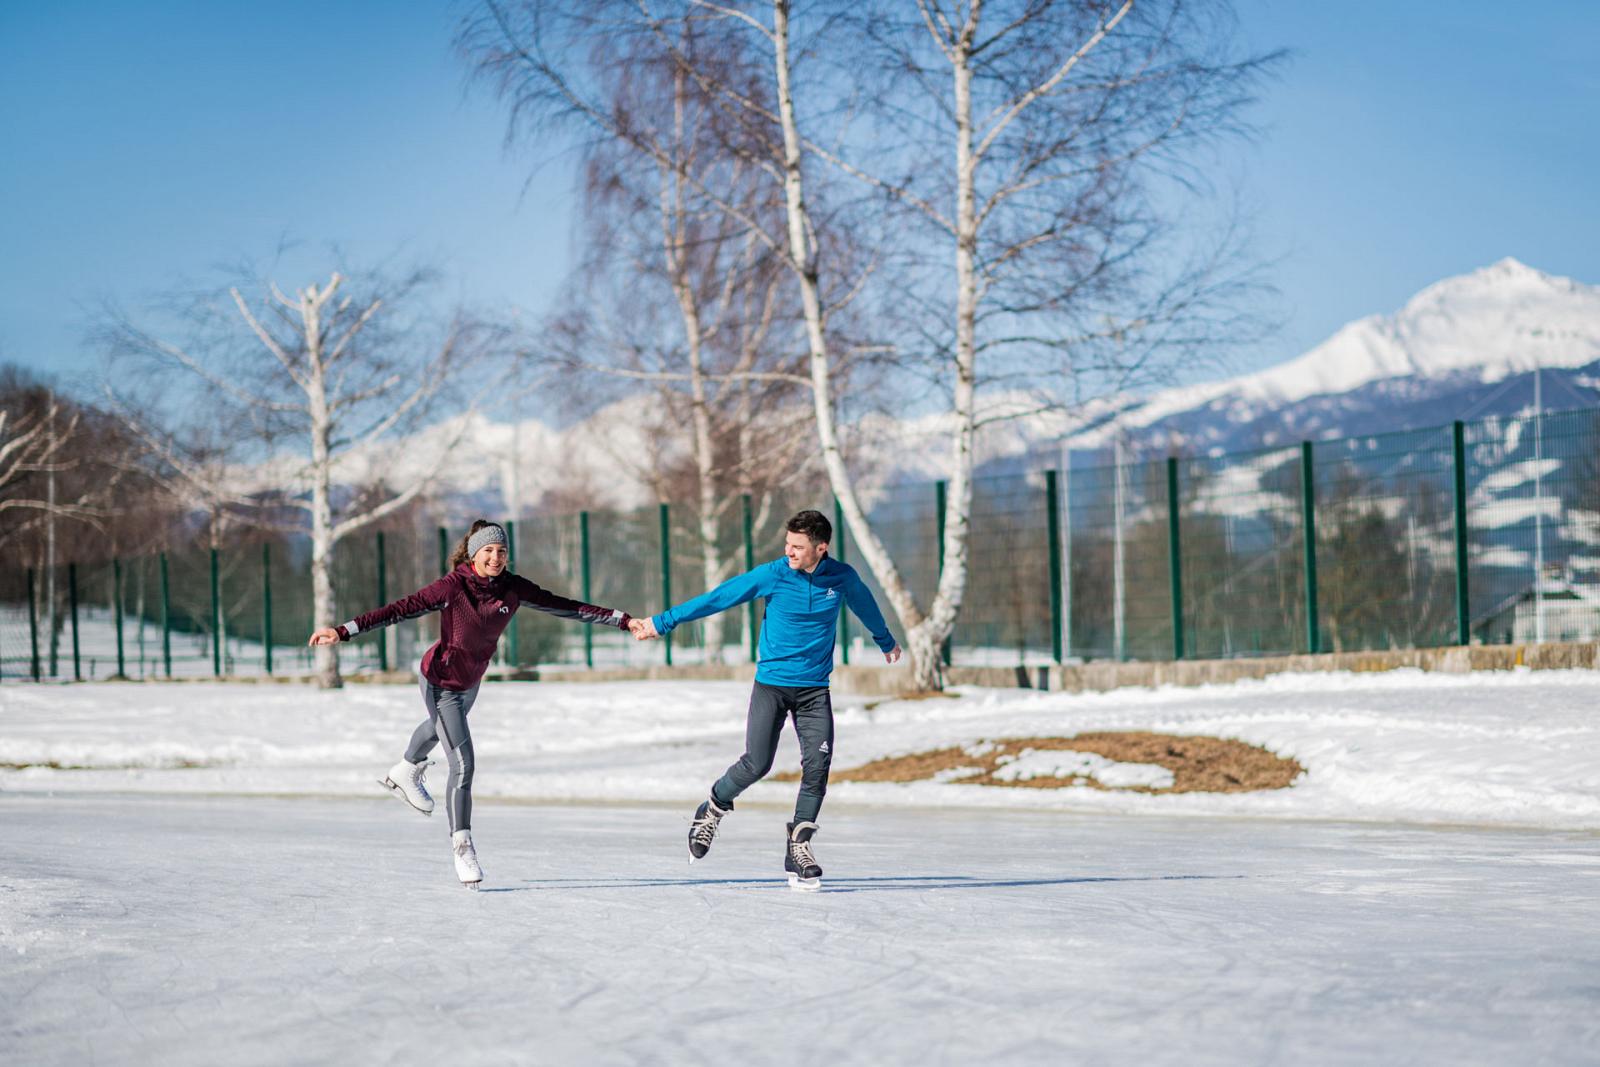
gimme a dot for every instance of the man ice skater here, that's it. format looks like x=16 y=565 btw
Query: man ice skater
x=803 y=591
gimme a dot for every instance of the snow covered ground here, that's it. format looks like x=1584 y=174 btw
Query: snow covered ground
x=1507 y=749
x=204 y=930
x=208 y=874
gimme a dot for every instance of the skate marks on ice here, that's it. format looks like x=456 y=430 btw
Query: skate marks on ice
x=224 y=931
x=847 y=884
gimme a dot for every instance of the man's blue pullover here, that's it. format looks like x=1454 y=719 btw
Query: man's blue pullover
x=802 y=614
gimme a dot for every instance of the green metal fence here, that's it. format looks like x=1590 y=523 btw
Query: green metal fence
x=1486 y=531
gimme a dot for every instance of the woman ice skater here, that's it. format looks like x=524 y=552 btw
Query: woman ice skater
x=475 y=601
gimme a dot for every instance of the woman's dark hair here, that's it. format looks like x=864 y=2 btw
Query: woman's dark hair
x=459 y=556
x=814 y=524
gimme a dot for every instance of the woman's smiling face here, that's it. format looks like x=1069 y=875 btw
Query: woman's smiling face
x=490 y=560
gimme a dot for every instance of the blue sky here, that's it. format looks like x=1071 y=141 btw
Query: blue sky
x=148 y=143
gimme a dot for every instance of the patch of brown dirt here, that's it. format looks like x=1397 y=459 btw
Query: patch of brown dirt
x=1198 y=764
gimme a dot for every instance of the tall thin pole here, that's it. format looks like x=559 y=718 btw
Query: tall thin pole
x=51 y=626
x=511 y=564
x=383 y=598
x=166 y=618
x=1066 y=552
x=1458 y=433
x=1538 y=505
x=444 y=551
x=1052 y=518
x=216 y=616
x=838 y=551
x=266 y=606
x=33 y=624
x=588 y=597
x=939 y=490
x=1174 y=557
x=1119 y=612
x=72 y=598
x=116 y=608
x=666 y=570
x=751 y=623
x=1308 y=523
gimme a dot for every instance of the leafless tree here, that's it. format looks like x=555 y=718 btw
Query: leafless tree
x=271 y=395
x=57 y=461
x=679 y=295
x=1029 y=144
x=723 y=175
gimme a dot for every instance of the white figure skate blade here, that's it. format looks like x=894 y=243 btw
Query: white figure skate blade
x=388 y=783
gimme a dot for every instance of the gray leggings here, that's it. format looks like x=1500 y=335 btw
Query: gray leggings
x=447 y=721
x=770 y=705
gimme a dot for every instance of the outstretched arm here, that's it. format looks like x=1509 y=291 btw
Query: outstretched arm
x=865 y=608
x=430 y=597
x=542 y=599
x=731 y=593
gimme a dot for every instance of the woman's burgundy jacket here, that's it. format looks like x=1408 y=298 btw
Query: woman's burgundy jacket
x=473 y=612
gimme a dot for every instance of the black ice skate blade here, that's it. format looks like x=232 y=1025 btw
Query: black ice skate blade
x=804 y=885
x=388 y=783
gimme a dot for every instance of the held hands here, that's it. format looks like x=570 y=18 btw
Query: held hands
x=327 y=635
x=893 y=655
x=643 y=629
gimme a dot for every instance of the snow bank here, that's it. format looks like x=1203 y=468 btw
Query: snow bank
x=1512 y=748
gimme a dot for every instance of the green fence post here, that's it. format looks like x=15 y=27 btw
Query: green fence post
x=666 y=571
x=1174 y=557
x=216 y=615
x=1052 y=521
x=511 y=565
x=444 y=551
x=1458 y=433
x=266 y=606
x=116 y=595
x=938 y=507
x=838 y=546
x=33 y=624
x=750 y=565
x=72 y=595
x=166 y=617
x=583 y=560
x=383 y=598
x=1308 y=522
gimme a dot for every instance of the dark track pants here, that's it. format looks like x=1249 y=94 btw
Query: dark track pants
x=447 y=722
x=812 y=709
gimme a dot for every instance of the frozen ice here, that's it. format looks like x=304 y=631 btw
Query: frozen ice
x=227 y=930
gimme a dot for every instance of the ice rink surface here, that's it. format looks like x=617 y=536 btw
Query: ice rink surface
x=204 y=930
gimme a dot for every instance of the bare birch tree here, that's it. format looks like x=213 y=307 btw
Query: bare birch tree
x=279 y=391
x=677 y=294
x=1026 y=137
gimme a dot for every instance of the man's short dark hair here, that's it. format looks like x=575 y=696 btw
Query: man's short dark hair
x=814 y=524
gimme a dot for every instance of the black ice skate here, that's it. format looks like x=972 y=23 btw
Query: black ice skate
x=704 y=827
x=798 y=860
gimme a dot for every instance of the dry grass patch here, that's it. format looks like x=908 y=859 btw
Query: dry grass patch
x=1198 y=764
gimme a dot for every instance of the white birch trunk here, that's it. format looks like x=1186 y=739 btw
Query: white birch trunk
x=322 y=599
x=674 y=237
x=925 y=663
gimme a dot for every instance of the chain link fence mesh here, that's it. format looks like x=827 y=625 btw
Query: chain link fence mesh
x=1093 y=581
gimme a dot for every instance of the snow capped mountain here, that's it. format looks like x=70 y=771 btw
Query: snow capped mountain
x=1466 y=347
x=1502 y=320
